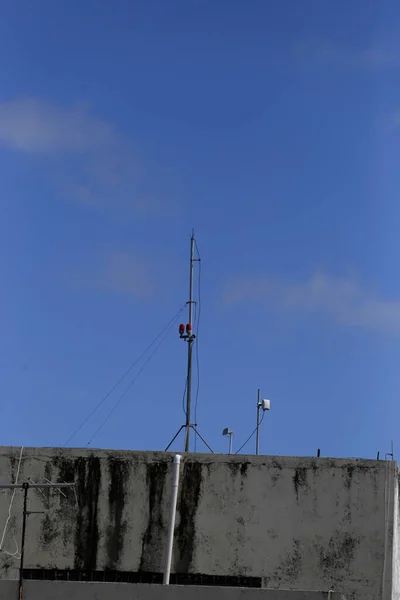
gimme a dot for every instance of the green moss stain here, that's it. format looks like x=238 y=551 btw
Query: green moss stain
x=88 y=478
x=190 y=490
x=118 y=471
x=154 y=536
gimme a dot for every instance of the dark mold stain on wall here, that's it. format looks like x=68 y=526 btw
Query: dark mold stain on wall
x=292 y=563
x=336 y=560
x=49 y=531
x=276 y=472
x=354 y=469
x=289 y=569
x=275 y=477
x=68 y=501
x=88 y=478
x=66 y=469
x=276 y=464
x=189 y=500
x=349 y=476
x=13 y=464
x=243 y=468
x=153 y=539
x=60 y=508
x=118 y=473
x=234 y=468
x=300 y=480
x=243 y=474
x=48 y=473
x=237 y=468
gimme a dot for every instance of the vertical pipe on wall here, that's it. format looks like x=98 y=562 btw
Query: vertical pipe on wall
x=171 y=521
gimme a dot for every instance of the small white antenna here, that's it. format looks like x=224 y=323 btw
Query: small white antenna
x=229 y=432
x=261 y=405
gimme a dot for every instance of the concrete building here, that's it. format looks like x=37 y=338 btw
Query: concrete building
x=245 y=521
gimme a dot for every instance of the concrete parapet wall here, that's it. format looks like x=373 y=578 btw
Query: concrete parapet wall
x=297 y=523
x=46 y=590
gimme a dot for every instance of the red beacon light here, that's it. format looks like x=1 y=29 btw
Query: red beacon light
x=181 y=329
x=189 y=329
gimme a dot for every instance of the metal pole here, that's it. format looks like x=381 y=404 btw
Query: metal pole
x=190 y=345
x=230 y=443
x=171 y=522
x=188 y=395
x=258 y=421
x=202 y=439
x=191 y=278
x=174 y=438
x=21 y=486
x=25 y=486
x=21 y=564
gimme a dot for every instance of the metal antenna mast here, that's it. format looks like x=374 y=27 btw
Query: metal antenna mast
x=186 y=333
x=190 y=337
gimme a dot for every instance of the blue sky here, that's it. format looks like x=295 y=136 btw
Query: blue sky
x=273 y=129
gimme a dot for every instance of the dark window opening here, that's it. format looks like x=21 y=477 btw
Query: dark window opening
x=138 y=577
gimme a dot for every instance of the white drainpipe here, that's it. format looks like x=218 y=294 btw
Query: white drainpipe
x=171 y=522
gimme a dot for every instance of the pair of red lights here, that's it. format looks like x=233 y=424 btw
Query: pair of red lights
x=182 y=329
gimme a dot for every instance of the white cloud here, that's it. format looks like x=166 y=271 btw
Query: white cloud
x=85 y=157
x=126 y=274
x=344 y=300
x=30 y=125
x=323 y=53
x=389 y=122
x=356 y=57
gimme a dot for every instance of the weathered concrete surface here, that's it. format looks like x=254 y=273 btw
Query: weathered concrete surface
x=393 y=535
x=46 y=590
x=298 y=523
